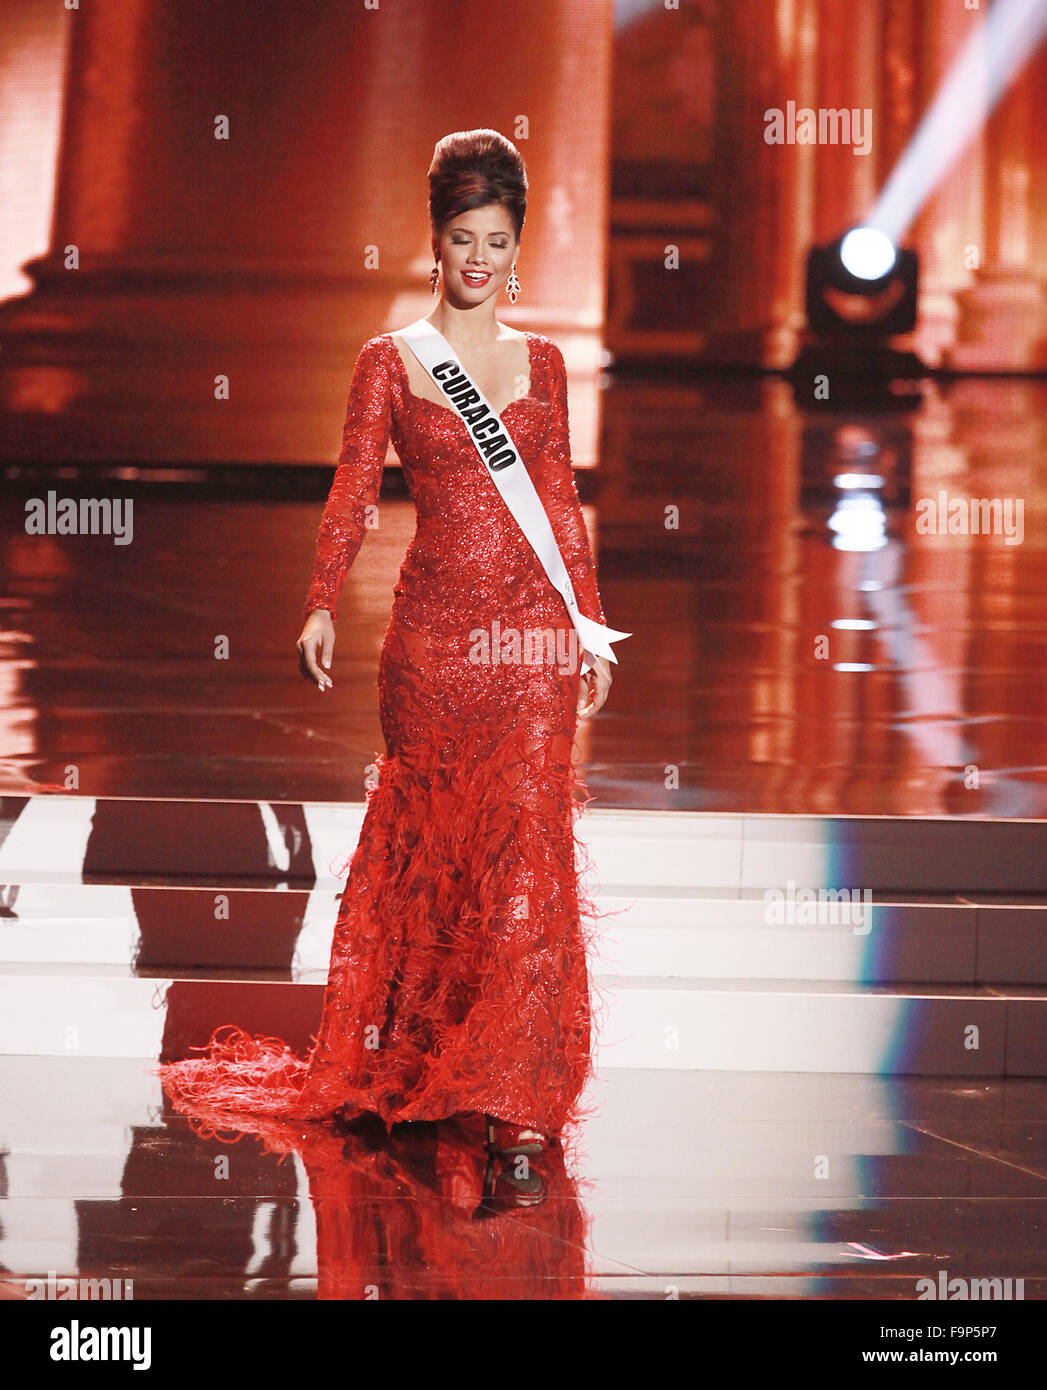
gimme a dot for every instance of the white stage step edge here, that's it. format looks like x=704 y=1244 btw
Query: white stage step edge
x=641 y=1023
x=674 y=934
x=46 y=840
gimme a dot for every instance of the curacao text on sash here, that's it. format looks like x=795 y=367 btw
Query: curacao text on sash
x=485 y=427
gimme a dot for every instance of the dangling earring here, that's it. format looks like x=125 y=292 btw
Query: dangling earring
x=434 y=277
x=513 y=285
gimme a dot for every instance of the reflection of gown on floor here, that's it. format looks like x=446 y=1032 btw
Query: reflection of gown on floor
x=422 y=1215
x=416 y=1214
x=458 y=980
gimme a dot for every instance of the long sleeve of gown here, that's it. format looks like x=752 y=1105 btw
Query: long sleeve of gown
x=357 y=479
x=556 y=486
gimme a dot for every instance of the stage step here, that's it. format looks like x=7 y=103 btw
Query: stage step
x=62 y=839
x=674 y=932
x=643 y=1022
x=202 y=913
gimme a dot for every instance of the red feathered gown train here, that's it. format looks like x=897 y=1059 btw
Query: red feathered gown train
x=459 y=979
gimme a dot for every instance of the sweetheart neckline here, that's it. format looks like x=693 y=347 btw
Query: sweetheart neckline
x=426 y=400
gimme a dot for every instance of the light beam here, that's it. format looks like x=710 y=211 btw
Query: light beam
x=988 y=61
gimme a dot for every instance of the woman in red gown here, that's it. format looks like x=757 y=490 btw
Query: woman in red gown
x=459 y=981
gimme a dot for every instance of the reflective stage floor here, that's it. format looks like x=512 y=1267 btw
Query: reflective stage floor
x=722 y=1185
x=818 y=625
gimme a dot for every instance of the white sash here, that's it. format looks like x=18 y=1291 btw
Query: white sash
x=495 y=446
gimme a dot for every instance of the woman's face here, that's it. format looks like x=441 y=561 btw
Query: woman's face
x=477 y=250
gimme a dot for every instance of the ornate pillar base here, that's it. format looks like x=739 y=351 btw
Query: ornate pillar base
x=114 y=365
x=1002 y=324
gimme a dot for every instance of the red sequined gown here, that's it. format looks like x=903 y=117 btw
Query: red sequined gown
x=459 y=979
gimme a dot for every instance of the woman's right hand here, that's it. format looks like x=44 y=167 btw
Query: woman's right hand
x=316 y=647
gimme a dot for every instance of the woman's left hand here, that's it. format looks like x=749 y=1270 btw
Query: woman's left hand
x=595 y=686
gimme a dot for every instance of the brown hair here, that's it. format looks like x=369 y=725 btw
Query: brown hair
x=472 y=169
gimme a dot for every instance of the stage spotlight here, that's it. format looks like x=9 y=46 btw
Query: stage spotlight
x=868 y=253
x=861 y=290
x=861 y=293
x=861 y=285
